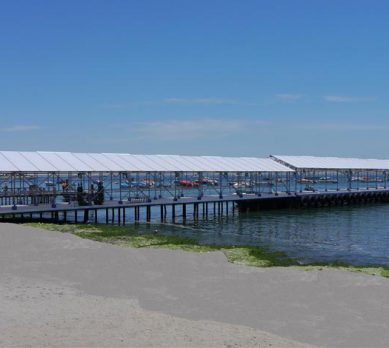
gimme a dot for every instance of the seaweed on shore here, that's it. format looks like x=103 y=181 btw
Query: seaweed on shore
x=245 y=255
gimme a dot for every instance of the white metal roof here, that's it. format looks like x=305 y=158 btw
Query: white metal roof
x=14 y=161
x=312 y=162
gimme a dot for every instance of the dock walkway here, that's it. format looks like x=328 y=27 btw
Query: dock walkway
x=189 y=207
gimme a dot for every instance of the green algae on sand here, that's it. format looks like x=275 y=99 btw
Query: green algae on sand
x=245 y=255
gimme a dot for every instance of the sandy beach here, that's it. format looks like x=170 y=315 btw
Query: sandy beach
x=58 y=290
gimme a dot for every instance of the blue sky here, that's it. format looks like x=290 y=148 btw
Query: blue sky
x=215 y=77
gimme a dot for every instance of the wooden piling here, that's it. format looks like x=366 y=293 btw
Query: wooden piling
x=148 y=213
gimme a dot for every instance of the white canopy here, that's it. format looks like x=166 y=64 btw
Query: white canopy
x=14 y=161
x=322 y=163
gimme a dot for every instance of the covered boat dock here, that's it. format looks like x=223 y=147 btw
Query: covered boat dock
x=118 y=188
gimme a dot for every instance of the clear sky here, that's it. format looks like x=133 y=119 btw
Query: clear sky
x=214 y=77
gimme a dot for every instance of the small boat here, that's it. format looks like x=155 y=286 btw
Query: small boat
x=207 y=181
x=368 y=179
x=306 y=181
x=327 y=180
x=242 y=185
x=188 y=183
x=149 y=182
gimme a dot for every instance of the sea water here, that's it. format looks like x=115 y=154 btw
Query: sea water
x=353 y=234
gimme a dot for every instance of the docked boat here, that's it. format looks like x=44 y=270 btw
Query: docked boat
x=306 y=181
x=327 y=180
x=188 y=183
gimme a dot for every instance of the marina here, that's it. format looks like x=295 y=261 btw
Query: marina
x=123 y=188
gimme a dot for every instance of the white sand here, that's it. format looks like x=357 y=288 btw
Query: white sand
x=40 y=314
x=60 y=290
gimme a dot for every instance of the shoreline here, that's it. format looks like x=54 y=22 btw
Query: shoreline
x=58 y=289
x=255 y=256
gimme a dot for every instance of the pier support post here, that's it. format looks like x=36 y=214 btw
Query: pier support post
x=184 y=212
x=196 y=211
x=148 y=213
x=136 y=212
x=86 y=215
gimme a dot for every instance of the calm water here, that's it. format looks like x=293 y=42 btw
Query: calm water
x=357 y=235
